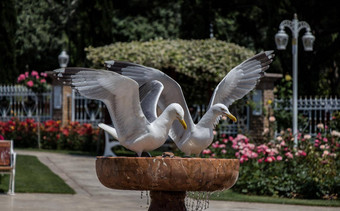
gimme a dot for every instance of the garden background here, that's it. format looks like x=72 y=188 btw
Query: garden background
x=33 y=34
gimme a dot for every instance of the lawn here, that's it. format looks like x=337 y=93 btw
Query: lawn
x=229 y=195
x=34 y=177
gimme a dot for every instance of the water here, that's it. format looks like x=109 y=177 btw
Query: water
x=147 y=195
x=197 y=201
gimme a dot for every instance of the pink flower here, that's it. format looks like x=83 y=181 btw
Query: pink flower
x=21 y=77
x=215 y=145
x=325 y=153
x=272 y=119
x=325 y=139
x=206 y=152
x=43 y=74
x=268 y=160
x=34 y=73
x=26 y=74
x=2 y=138
x=278 y=158
x=301 y=153
x=307 y=136
x=222 y=146
x=223 y=151
x=289 y=155
x=42 y=81
x=260 y=160
x=254 y=155
x=30 y=83
x=320 y=126
x=225 y=140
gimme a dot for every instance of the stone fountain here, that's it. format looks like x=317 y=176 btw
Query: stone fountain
x=167 y=178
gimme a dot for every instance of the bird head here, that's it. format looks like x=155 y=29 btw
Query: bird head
x=223 y=110
x=180 y=114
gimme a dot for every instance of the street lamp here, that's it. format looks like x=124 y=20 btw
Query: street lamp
x=63 y=59
x=281 y=40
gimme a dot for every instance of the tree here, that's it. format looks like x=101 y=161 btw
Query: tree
x=38 y=38
x=7 y=46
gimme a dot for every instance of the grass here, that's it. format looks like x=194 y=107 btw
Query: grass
x=34 y=177
x=229 y=195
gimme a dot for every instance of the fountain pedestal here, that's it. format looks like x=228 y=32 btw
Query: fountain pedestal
x=167 y=178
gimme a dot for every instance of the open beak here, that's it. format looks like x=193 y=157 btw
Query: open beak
x=232 y=117
x=183 y=123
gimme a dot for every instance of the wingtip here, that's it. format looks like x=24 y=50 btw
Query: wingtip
x=60 y=70
x=109 y=63
x=269 y=52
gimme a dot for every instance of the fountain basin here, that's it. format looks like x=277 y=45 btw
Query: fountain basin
x=167 y=174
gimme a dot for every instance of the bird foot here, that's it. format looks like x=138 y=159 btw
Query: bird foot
x=168 y=154
x=144 y=154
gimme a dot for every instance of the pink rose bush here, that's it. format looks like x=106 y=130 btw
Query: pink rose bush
x=34 y=81
x=278 y=168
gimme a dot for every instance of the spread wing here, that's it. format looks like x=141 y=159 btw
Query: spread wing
x=172 y=92
x=149 y=94
x=120 y=95
x=241 y=79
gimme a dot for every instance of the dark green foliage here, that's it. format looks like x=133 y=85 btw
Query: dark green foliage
x=38 y=38
x=7 y=47
x=45 y=27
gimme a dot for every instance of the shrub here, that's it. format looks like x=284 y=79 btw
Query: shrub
x=277 y=168
x=74 y=136
x=37 y=83
x=197 y=65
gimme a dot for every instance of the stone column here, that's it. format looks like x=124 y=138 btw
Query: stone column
x=61 y=100
x=263 y=97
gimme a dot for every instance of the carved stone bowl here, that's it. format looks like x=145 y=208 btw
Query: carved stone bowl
x=167 y=174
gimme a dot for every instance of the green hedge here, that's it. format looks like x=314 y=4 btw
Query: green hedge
x=197 y=65
x=207 y=60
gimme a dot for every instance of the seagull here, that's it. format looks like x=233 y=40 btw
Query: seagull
x=120 y=94
x=235 y=85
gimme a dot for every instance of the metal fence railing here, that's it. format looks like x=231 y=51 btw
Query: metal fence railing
x=315 y=111
x=19 y=102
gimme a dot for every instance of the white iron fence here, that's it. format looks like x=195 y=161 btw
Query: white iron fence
x=85 y=110
x=19 y=102
x=314 y=110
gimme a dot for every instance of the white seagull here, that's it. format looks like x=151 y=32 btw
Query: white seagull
x=120 y=94
x=235 y=85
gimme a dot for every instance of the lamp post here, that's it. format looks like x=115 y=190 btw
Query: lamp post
x=281 y=40
x=63 y=59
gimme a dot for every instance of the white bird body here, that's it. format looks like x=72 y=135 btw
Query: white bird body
x=121 y=96
x=235 y=85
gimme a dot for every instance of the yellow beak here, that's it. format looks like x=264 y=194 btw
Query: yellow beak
x=232 y=117
x=183 y=123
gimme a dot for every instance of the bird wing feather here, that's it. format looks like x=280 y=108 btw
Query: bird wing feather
x=149 y=94
x=241 y=79
x=172 y=92
x=119 y=94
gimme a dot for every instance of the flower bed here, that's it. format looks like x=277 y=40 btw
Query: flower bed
x=277 y=168
x=73 y=136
